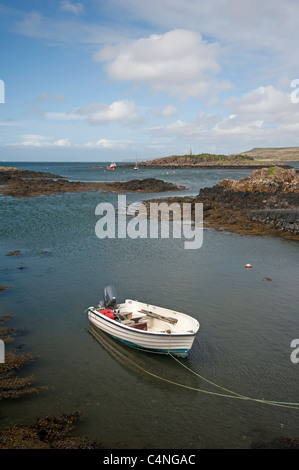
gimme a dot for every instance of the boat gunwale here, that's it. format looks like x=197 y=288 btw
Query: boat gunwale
x=135 y=330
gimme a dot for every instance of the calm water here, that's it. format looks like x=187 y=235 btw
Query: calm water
x=247 y=322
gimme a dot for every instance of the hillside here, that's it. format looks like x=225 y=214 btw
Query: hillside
x=206 y=160
x=283 y=154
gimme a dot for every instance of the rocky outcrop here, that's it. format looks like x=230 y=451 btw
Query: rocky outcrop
x=147 y=185
x=24 y=184
x=241 y=206
x=266 y=180
x=265 y=201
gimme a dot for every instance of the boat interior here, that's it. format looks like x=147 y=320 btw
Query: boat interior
x=145 y=317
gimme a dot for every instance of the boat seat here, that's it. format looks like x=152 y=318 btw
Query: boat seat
x=128 y=323
x=137 y=319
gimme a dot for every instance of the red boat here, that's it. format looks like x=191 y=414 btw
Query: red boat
x=112 y=166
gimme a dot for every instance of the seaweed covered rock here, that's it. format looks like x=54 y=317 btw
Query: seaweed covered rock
x=19 y=183
x=50 y=432
x=266 y=180
x=11 y=384
x=147 y=185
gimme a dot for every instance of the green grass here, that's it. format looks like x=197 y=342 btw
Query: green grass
x=208 y=157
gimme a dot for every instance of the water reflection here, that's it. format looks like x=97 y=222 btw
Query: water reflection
x=144 y=365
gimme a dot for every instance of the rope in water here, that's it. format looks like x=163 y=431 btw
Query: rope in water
x=233 y=395
x=270 y=402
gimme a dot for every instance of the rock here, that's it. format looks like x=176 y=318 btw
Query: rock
x=13 y=253
x=237 y=206
x=24 y=184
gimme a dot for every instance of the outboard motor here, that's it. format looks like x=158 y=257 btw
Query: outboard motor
x=110 y=297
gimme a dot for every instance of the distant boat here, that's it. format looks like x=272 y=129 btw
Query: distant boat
x=112 y=166
x=143 y=326
x=136 y=165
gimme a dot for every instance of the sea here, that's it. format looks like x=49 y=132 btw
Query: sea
x=237 y=388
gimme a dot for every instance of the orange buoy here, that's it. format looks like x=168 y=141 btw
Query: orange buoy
x=248 y=266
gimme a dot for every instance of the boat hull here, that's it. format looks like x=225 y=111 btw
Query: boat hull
x=178 y=344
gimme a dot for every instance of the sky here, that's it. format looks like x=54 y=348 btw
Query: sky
x=102 y=80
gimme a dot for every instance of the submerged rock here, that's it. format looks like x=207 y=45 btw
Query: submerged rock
x=50 y=432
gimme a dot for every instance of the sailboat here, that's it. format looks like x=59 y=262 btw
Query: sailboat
x=136 y=165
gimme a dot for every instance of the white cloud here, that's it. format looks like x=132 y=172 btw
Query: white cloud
x=36 y=140
x=75 y=8
x=33 y=140
x=109 y=144
x=123 y=111
x=179 y=62
x=168 y=111
x=265 y=115
x=271 y=23
x=41 y=141
x=250 y=129
x=62 y=143
x=267 y=104
x=257 y=35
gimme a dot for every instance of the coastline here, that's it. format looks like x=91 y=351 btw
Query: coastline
x=201 y=166
x=235 y=206
x=26 y=184
x=266 y=203
x=211 y=161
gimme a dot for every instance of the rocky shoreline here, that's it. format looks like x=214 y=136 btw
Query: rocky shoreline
x=27 y=184
x=232 y=205
x=209 y=161
x=206 y=166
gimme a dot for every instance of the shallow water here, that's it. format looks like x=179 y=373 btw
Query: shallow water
x=247 y=322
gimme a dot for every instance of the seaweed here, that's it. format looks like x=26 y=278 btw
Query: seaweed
x=50 y=432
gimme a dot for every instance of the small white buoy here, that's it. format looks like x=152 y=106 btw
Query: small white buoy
x=248 y=266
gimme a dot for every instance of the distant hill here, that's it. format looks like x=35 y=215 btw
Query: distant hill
x=200 y=160
x=283 y=154
x=206 y=160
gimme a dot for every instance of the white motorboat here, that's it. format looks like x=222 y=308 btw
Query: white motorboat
x=144 y=326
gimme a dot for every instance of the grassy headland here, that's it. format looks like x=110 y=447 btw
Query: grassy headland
x=206 y=160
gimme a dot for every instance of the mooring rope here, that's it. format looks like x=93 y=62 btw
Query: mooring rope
x=232 y=395
x=261 y=400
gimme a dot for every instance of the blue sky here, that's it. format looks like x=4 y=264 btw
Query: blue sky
x=102 y=80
